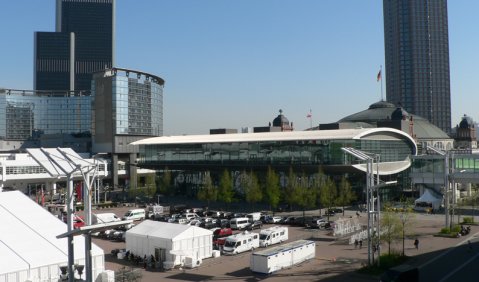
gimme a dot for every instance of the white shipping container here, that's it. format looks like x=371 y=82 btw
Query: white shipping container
x=284 y=256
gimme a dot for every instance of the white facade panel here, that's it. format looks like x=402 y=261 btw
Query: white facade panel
x=287 y=255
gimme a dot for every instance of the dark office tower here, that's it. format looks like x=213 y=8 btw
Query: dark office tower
x=417 y=58
x=81 y=45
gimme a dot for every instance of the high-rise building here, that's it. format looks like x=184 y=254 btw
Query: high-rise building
x=127 y=106
x=417 y=58
x=82 y=44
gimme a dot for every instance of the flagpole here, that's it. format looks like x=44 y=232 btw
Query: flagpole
x=381 y=71
x=311 y=120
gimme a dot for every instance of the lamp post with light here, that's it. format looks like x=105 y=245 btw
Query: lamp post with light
x=369 y=183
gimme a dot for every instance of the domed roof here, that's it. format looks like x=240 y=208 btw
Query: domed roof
x=280 y=119
x=383 y=110
x=399 y=114
x=378 y=111
x=466 y=122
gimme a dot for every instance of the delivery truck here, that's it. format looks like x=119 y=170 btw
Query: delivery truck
x=157 y=211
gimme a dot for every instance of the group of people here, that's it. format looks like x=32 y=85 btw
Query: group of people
x=358 y=243
x=147 y=262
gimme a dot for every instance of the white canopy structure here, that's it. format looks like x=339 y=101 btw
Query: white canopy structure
x=170 y=243
x=426 y=201
x=29 y=249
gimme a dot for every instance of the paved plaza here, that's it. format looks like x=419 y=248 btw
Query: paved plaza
x=335 y=260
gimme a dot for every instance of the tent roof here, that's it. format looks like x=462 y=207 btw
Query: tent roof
x=28 y=236
x=428 y=198
x=167 y=230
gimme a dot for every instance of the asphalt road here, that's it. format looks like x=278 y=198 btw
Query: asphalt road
x=457 y=263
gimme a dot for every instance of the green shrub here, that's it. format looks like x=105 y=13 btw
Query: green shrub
x=456 y=229
x=445 y=230
x=468 y=219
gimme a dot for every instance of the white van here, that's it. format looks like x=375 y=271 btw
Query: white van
x=273 y=235
x=136 y=214
x=104 y=218
x=190 y=216
x=254 y=216
x=239 y=223
x=241 y=242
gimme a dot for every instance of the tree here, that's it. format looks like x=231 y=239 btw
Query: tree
x=289 y=193
x=272 y=190
x=165 y=183
x=305 y=196
x=391 y=228
x=225 y=189
x=346 y=194
x=328 y=193
x=319 y=180
x=406 y=218
x=150 y=186
x=208 y=192
x=252 y=189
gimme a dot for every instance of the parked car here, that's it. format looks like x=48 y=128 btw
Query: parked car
x=223 y=223
x=337 y=210
x=316 y=222
x=207 y=224
x=253 y=225
x=330 y=213
x=274 y=219
x=265 y=218
x=289 y=220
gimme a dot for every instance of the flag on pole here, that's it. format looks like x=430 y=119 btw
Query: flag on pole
x=309 y=115
x=379 y=76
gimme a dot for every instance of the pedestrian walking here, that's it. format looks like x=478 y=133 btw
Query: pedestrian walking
x=356 y=243
x=416 y=244
x=360 y=244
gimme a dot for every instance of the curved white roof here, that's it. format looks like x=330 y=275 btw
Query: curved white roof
x=28 y=237
x=167 y=230
x=274 y=136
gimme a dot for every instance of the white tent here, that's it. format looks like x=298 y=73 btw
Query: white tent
x=170 y=243
x=29 y=249
x=427 y=200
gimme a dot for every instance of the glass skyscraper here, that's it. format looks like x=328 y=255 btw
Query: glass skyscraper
x=417 y=58
x=82 y=44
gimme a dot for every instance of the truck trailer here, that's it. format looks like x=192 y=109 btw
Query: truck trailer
x=284 y=256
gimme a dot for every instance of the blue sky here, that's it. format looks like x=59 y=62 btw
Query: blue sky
x=235 y=63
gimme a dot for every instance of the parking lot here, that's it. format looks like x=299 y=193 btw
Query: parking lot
x=335 y=260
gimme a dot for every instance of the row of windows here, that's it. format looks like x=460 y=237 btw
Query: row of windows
x=320 y=152
x=25 y=170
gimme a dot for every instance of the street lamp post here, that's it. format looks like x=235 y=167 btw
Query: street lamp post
x=369 y=183
x=445 y=154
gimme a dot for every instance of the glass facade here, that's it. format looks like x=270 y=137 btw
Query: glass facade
x=311 y=152
x=137 y=106
x=136 y=101
x=27 y=115
x=435 y=164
